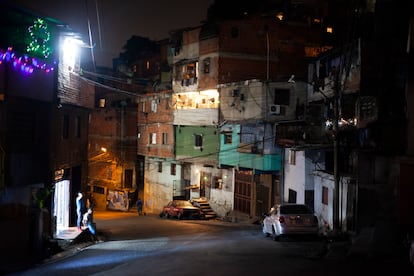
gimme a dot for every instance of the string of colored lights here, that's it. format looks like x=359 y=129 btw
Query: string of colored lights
x=40 y=38
x=25 y=63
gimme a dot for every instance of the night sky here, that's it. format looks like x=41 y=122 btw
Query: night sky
x=120 y=19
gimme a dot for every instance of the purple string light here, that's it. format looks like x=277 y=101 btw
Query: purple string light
x=24 y=63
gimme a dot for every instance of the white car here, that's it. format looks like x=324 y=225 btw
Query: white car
x=290 y=219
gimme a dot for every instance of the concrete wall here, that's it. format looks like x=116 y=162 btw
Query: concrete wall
x=295 y=175
x=325 y=211
x=158 y=186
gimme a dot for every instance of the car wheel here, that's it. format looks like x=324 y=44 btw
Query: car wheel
x=179 y=216
x=275 y=237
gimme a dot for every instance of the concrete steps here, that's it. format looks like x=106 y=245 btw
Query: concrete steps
x=205 y=207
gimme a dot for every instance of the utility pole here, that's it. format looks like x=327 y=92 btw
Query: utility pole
x=336 y=195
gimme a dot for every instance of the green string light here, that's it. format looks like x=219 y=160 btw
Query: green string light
x=39 y=39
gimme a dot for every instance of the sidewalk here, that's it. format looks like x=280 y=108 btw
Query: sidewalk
x=67 y=243
x=70 y=247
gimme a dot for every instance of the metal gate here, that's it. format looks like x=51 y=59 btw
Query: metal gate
x=243 y=191
x=262 y=199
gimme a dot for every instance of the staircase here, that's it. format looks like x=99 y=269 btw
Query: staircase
x=205 y=207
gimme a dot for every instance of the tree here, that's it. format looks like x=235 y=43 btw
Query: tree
x=138 y=47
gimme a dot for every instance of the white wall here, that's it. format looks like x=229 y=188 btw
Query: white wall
x=158 y=187
x=221 y=200
x=323 y=211
x=295 y=176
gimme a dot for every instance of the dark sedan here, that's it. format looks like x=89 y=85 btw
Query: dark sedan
x=181 y=209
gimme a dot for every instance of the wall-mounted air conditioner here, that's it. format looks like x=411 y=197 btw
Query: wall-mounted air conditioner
x=274 y=109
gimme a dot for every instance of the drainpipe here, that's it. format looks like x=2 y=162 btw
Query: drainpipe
x=122 y=136
x=282 y=177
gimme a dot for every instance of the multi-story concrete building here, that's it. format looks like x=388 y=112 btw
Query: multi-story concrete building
x=225 y=78
x=160 y=173
x=43 y=129
x=112 y=147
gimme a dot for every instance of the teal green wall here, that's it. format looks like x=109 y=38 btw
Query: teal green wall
x=185 y=142
x=231 y=157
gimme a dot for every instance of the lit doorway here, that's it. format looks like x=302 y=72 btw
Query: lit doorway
x=61 y=205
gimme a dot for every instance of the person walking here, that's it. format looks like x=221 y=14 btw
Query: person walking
x=80 y=207
x=139 y=206
x=88 y=222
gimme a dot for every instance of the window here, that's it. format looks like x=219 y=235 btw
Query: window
x=65 y=127
x=247 y=135
x=159 y=166
x=128 y=176
x=153 y=138
x=218 y=183
x=98 y=190
x=282 y=96
x=292 y=157
x=173 y=169
x=102 y=103
x=206 y=66
x=198 y=141
x=187 y=73
x=228 y=138
x=154 y=106
x=143 y=106
x=325 y=195
x=292 y=196
x=165 y=138
x=77 y=127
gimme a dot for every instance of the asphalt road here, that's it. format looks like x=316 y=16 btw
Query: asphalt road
x=150 y=245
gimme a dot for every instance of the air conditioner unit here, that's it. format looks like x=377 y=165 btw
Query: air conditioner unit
x=274 y=109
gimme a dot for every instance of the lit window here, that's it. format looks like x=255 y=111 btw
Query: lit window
x=153 y=138
x=329 y=29
x=187 y=73
x=154 y=106
x=279 y=16
x=148 y=65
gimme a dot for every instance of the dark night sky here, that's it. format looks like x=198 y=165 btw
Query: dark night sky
x=121 y=19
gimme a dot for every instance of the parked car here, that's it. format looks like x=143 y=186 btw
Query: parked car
x=290 y=219
x=181 y=209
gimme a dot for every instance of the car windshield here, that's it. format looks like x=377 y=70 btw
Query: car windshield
x=295 y=209
x=184 y=204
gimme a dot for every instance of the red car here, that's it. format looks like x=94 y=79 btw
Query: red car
x=181 y=209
